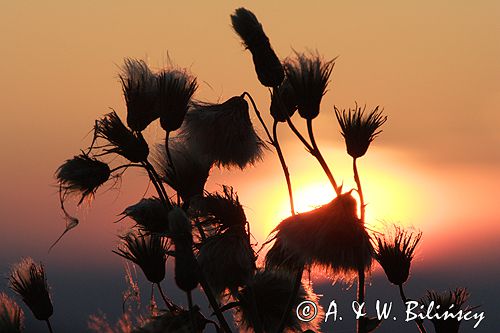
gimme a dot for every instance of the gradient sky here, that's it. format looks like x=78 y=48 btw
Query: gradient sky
x=433 y=65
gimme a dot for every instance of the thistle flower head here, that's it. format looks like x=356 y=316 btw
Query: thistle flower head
x=330 y=236
x=150 y=214
x=146 y=251
x=265 y=299
x=28 y=280
x=189 y=172
x=82 y=174
x=283 y=101
x=452 y=301
x=358 y=129
x=227 y=260
x=222 y=209
x=121 y=140
x=186 y=267
x=308 y=76
x=267 y=65
x=395 y=253
x=11 y=315
x=223 y=133
x=140 y=91
x=175 y=89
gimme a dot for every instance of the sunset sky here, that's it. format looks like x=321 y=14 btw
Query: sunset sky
x=434 y=66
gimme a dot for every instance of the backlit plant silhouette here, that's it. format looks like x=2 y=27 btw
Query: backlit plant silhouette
x=207 y=235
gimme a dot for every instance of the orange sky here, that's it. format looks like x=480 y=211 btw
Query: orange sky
x=433 y=67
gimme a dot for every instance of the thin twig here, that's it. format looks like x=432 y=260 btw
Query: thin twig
x=165 y=299
x=419 y=322
x=360 y=191
x=213 y=303
x=190 y=307
x=257 y=112
x=49 y=326
x=361 y=327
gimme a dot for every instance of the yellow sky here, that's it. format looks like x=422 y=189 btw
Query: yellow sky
x=433 y=65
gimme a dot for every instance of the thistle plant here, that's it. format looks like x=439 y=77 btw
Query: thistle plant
x=28 y=280
x=207 y=234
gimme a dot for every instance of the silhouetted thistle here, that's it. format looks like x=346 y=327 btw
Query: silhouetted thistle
x=28 y=280
x=227 y=260
x=146 y=251
x=267 y=65
x=140 y=91
x=150 y=214
x=121 y=140
x=177 y=320
x=452 y=301
x=395 y=253
x=175 y=89
x=189 y=172
x=331 y=236
x=223 y=133
x=186 y=267
x=359 y=129
x=263 y=300
x=83 y=175
x=11 y=315
x=309 y=76
x=222 y=209
x=283 y=102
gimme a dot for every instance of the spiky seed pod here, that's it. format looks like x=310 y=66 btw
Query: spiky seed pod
x=140 y=91
x=175 y=89
x=358 y=129
x=150 y=214
x=11 y=315
x=267 y=65
x=330 y=236
x=146 y=251
x=121 y=140
x=283 y=102
x=309 y=76
x=227 y=260
x=265 y=299
x=452 y=301
x=186 y=267
x=223 y=133
x=28 y=280
x=190 y=171
x=178 y=321
x=222 y=209
x=83 y=175
x=395 y=253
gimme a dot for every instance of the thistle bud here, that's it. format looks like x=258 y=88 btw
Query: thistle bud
x=358 y=129
x=150 y=214
x=28 y=280
x=267 y=65
x=309 y=76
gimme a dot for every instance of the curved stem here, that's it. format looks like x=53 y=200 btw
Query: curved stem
x=419 y=322
x=190 y=307
x=49 y=326
x=299 y=135
x=155 y=179
x=168 y=303
x=284 y=166
x=316 y=152
x=257 y=113
x=360 y=191
x=125 y=166
x=361 y=328
x=170 y=162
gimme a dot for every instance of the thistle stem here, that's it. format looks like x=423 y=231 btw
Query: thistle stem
x=213 y=303
x=153 y=176
x=126 y=166
x=259 y=116
x=299 y=135
x=361 y=328
x=316 y=152
x=190 y=307
x=419 y=322
x=360 y=191
x=170 y=161
x=284 y=166
x=165 y=299
x=49 y=326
